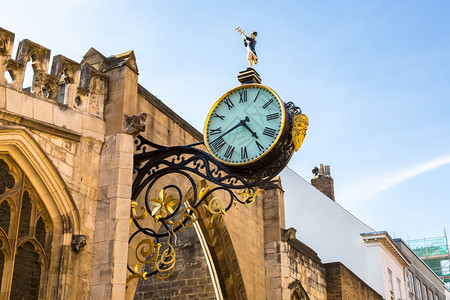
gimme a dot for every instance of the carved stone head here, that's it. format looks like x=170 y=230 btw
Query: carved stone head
x=78 y=242
x=135 y=124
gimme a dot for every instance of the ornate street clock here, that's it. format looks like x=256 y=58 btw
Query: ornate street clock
x=250 y=135
x=244 y=125
x=249 y=129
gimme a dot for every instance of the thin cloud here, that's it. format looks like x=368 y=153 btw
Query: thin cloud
x=363 y=190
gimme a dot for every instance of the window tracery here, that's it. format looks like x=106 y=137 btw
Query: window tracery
x=25 y=235
x=6 y=179
x=297 y=291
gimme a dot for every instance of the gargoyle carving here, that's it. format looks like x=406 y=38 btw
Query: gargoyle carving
x=288 y=234
x=135 y=124
x=78 y=242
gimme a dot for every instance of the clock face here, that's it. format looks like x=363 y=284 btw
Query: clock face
x=244 y=124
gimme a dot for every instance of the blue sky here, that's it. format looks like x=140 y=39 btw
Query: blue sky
x=372 y=76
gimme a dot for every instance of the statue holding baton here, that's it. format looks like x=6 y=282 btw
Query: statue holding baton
x=250 y=43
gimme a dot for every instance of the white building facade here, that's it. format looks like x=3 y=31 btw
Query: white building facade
x=336 y=235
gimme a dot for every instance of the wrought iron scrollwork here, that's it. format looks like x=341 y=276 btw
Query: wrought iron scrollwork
x=293 y=108
x=152 y=163
x=158 y=171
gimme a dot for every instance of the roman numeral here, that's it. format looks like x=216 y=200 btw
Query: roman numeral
x=218 y=144
x=229 y=103
x=215 y=131
x=260 y=147
x=269 y=132
x=267 y=103
x=243 y=96
x=256 y=96
x=215 y=115
x=229 y=152
x=272 y=116
x=244 y=154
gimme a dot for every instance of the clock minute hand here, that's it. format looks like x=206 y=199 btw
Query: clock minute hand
x=241 y=123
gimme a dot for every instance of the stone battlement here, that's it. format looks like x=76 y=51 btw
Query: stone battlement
x=79 y=86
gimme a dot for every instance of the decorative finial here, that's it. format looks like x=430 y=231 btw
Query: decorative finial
x=249 y=43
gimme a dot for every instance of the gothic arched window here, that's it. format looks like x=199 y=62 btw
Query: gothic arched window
x=297 y=291
x=25 y=235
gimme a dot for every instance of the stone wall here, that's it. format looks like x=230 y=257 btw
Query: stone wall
x=292 y=267
x=63 y=112
x=245 y=225
x=342 y=284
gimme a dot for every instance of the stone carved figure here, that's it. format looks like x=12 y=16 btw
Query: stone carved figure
x=78 y=242
x=96 y=89
x=64 y=79
x=135 y=124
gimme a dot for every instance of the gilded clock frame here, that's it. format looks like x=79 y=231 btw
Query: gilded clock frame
x=281 y=133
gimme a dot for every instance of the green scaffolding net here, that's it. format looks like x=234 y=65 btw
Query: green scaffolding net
x=435 y=253
x=429 y=247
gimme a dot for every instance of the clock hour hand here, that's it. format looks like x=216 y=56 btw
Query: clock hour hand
x=241 y=123
x=251 y=131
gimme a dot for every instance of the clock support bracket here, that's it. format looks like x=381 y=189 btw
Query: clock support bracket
x=161 y=209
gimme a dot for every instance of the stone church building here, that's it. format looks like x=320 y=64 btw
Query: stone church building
x=67 y=145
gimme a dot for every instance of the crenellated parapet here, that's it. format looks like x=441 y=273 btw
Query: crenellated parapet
x=81 y=87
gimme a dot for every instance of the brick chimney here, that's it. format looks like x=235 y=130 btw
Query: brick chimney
x=323 y=181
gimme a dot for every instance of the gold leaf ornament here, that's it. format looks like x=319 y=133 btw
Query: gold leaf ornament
x=248 y=196
x=187 y=218
x=143 y=254
x=300 y=125
x=147 y=252
x=166 y=263
x=163 y=206
x=215 y=208
x=134 y=215
x=203 y=188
